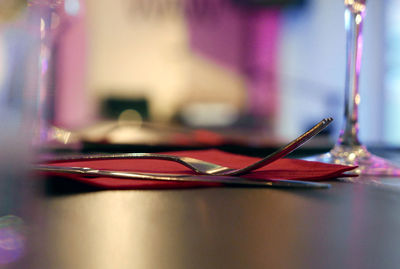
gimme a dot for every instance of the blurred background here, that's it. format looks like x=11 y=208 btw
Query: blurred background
x=211 y=72
x=270 y=67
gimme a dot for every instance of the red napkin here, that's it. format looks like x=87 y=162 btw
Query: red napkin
x=293 y=169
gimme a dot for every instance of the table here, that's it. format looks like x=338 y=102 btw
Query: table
x=346 y=226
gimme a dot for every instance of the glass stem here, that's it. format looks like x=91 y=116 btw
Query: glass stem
x=41 y=19
x=353 y=25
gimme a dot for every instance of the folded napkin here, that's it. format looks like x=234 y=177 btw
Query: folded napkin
x=293 y=169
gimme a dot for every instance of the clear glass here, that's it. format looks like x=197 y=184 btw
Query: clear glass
x=42 y=16
x=50 y=19
x=348 y=150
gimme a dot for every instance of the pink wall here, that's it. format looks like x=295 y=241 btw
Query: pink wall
x=244 y=40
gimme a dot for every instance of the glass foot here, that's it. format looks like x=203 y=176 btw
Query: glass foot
x=368 y=163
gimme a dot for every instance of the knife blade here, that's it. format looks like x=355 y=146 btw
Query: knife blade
x=226 y=180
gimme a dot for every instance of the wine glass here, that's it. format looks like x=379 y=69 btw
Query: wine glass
x=49 y=18
x=42 y=15
x=348 y=150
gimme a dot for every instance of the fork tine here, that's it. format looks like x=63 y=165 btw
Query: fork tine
x=285 y=150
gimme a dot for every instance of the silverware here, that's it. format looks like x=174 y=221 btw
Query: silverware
x=226 y=180
x=207 y=168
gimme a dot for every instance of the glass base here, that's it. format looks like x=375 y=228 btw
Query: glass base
x=55 y=138
x=368 y=163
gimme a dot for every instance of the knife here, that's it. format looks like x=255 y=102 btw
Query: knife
x=226 y=180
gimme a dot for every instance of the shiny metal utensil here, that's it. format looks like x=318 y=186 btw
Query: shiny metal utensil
x=226 y=180
x=207 y=168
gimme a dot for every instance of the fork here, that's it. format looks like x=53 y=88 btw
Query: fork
x=208 y=168
x=226 y=180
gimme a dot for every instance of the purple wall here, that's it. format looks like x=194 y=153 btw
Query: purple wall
x=244 y=40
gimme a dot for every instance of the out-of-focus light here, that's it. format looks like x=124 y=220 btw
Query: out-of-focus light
x=356 y=6
x=62 y=135
x=347 y=21
x=72 y=7
x=130 y=116
x=209 y=114
x=12 y=239
x=130 y=130
x=357 y=99
x=44 y=54
x=358 y=18
x=352 y=156
x=42 y=28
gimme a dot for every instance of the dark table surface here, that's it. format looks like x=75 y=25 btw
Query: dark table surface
x=347 y=226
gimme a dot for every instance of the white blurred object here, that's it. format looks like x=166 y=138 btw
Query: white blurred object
x=209 y=114
x=72 y=7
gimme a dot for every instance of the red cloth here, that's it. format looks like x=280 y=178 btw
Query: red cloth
x=293 y=169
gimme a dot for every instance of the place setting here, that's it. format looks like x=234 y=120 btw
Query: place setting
x=349 y=159
x=201 y=160
x=203 y=168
